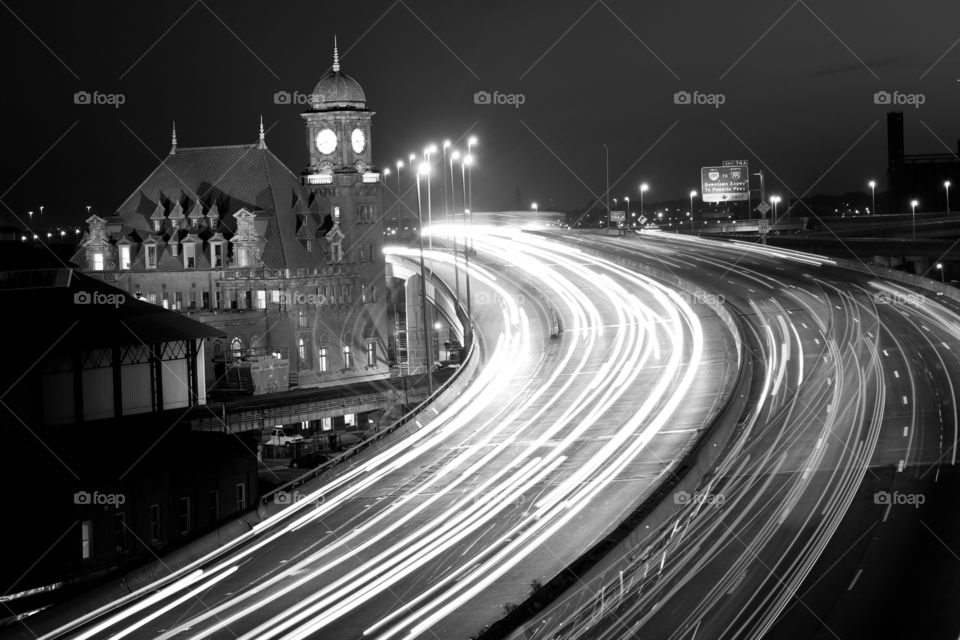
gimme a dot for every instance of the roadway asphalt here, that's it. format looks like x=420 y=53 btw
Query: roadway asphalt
x=831 y=513
x=544 y=453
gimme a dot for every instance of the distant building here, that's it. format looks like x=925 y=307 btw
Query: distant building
x=286 y=265
x=919 y=176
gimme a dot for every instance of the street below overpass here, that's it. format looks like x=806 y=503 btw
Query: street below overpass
x=440 y=532
x=832 y=510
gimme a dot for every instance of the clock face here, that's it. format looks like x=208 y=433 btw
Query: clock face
x=326 y=141
x=359 y=140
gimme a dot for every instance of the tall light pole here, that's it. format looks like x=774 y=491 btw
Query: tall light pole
x=873 y=196
x=446 y=211
x=454 y=156
x=644 y=187
x=468 y=242
x=399 y=203
x=946 y=186
x=775 y=200
x=626 y=220
x=940 y=269
x=913 y=205
x=424 y=169
x=693 y=194
x=606 y=192
x=426 y=154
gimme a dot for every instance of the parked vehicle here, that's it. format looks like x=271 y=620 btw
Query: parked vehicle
x=279 y=438
x=308 y=460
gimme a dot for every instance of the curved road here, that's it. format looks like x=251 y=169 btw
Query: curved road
x=542 y=455
x=831 y=512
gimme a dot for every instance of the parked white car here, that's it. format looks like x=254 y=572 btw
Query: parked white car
x=278 y=437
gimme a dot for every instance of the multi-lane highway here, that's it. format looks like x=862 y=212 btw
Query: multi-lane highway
x=438 y=534
x=830 y=513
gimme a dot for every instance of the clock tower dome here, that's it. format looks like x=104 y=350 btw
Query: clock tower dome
x=338 y=127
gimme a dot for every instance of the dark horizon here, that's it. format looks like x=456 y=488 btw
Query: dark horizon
x=797 y=79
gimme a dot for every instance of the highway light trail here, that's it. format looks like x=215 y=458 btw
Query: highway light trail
x=614 y=333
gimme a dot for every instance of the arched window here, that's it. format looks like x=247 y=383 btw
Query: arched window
x=322 y=360
x=301 y=351
x=347 y=362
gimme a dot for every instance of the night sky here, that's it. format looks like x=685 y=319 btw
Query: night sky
x=797 y=78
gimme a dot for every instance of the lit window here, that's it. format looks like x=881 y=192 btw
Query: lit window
x=302 y=350
x=346 y=357
x=261 y=299
x=322 y=359
x=124 y=256
x=303 y=319
x=98 y=262
x=243 y=259
x=175 y=249
x=336 y=213
x=86 y=539
x=371 y=353
x=275 y=296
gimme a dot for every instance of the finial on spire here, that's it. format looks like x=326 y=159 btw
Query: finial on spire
x=336 y=55
x=173 y=138
x=263 y=136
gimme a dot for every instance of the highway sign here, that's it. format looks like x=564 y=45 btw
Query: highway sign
x=643 y=219
x=763 y=226
x=618 y=216
x=763 y=208
x=724 y=184
x=735 y=163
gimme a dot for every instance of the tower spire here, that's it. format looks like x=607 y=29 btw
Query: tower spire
x=262 y=144
x=336 y=56
x=173 y=139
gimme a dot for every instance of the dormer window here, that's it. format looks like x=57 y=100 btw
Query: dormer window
x=124 y=256
x=189 y=255
x=157 y=224
x=309 y=246
x=150 y=256
x=98 y=261
x=175 y=249
x=216 y=254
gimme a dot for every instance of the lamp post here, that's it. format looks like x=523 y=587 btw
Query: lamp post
x=873 y=196
x=424 y=169
x=426 y=154
x=446 y=211
x=399 y=203
x=468 y=241
x=940 y=269
x=644 y=187
x=454 y=156
x=913 y=206
x=533 y=206
x=775 y=200
x=946 y=187
x=693 y=194
x=626 y=219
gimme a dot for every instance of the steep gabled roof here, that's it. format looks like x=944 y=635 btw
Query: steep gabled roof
x=228 y=178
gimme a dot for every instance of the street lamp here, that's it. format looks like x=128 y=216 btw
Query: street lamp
x=693 y=194
x=940 y=269
x=644 y=187
x=468 y=241
x=533 y=206
x=454 y=156
x=873 y=196
x=946 y=186
x=424 y=170
x=446 y=211
x=775 y=200
x=627 y=200
x=913 y=205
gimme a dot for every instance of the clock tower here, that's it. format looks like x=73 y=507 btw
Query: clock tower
x=338 y=127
